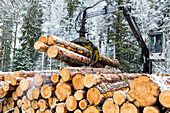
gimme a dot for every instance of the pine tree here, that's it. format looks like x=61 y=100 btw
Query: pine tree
x=26 y=56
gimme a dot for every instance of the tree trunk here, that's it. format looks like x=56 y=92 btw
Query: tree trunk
x=91 y=109
x=70 y=58
x=79 y=94
x=67 y=73
x=71 y=103
x=15 y=38
x=43 y=39
x=46 y=91
x=109 y=106
x=63 y=90
x=164 y=98
x=81 y=50
x=144 y=91
x=77 y=81
x=61 y=108
x=151 y=109
x=41 y=47
x=83 y=104
x=128 y=108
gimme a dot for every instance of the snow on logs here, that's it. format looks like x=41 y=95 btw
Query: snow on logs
x=82 y=90
x=70 y=53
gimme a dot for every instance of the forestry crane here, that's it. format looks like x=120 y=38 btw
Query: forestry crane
x=148 y=54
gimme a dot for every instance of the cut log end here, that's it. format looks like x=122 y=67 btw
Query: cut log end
x=77 y=81
x=19 y=91
x=52 y=51
x=71 y=103
x=119 y=97
x=43 y=39
x=110 y=107
x=35 y=93
x=79 y=94
x=16 y=110
x=91 y=109
x=77 y=111
x=164 y=98
x=14 y=96
x=34 y=104
x=42 y=104
x=128 y=108
x=65 y=74
x=55 y=78
x=24 y=84
x=61 y=108
x=151 y=109
x=50 y=40
x=19 y=102
x=8 y=77
x=88 y=80
x=46 y=91
x=83 y=104
x=143 y=91
x=2 y=93
x=94 y=96
x=38 y=79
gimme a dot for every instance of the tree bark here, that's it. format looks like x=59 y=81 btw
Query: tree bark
x=144 y=91
x=67 y=73
x=151 y=109
x=81 y=50
x=109 y=106
x=71 y=103
x=128 y=108
x=164 y=98
x=91 y=109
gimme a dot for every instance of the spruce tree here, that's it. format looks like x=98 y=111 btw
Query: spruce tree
x=26 y=57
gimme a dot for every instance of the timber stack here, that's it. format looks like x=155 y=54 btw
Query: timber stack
x=82 y=89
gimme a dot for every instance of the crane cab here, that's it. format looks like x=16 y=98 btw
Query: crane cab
x=157 y=46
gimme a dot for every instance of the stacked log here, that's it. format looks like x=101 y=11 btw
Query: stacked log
x=97 y=91
x=70 y=53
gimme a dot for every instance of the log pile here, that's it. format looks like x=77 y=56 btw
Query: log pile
x=81 y=90
x=70 y=53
